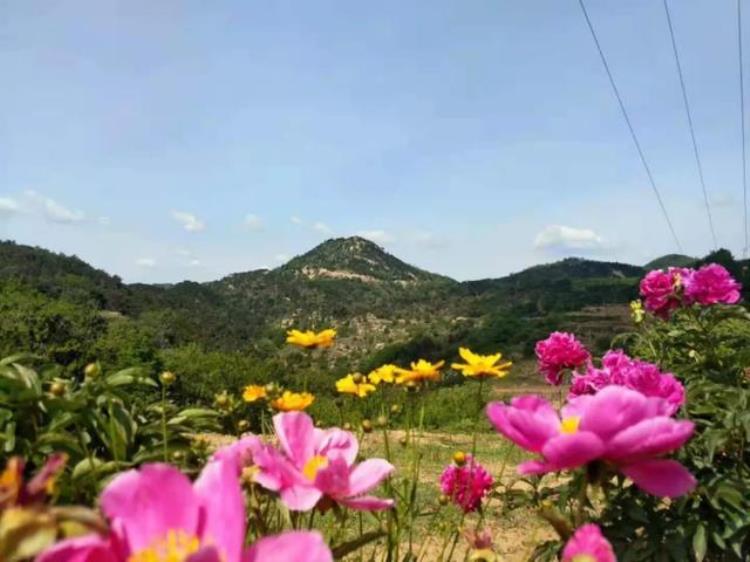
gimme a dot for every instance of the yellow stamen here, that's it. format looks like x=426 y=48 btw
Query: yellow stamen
x=570 y=425
x=583 y=558
x=314 y=465
x=176 y=547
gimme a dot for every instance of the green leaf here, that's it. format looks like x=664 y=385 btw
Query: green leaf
x=126 y=377
x=699 y=543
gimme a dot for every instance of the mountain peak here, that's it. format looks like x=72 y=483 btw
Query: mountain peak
x=357 y=258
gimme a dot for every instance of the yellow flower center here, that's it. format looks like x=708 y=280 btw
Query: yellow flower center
x=583 y=558
x=314 y=465
x=176 y=547
x=570 y=425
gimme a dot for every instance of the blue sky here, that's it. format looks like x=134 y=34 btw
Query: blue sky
x=186 y=140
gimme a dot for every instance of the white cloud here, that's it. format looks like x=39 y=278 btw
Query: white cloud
x=558 y=237
x=189 y=221
x=184 y=252
x=54 y=211
x=281 y=257
x=8 y=206
x=145 y=262
x=253 y=222
x=295 y=220
x=377 y=236
x=194 y=263
x=104 y=221
x=322 y=227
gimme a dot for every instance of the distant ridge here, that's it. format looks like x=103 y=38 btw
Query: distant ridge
x=671 y=260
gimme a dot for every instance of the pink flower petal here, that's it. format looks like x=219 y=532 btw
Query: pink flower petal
x=218 y=489
x=150 y=502
x=649 y=438
x=535 y=467
x=529 y=421
x=573 y=450
x=615 y=408
x=296 y=436
x=368 y=475
x=660 y=477
x=207 y=554
x=336 y=443
x=367 y=503
x=333 y=480
x=240 y=452
x=588 y=543
x=90 y=548
x=300 y=497
x=290 y=547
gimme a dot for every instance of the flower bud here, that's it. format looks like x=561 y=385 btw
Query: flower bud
x=403 y=441
x=444 y=500
x=243 y=425
x=167 y=378
x=395 y=409
x=382 y=421
x=92 y=371
x=178 y=456
x=367 y=426
x=57 y=389
x=459 y=457
x=358 y=378
x=347 y=426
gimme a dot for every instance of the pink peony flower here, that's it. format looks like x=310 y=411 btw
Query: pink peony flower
x=620 y=426
x=466 y=485
x=662 y=290
x=558 y=352
x=712 y=284
x=619 y=369
x=156 y=513
x=588 y=545
x=310 y=464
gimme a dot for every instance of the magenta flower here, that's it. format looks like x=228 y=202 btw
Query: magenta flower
x=712 y=284
x=588 y=545
x=558 y=352
x=466 y=485
x=662 y=290
x=619 y=426
x=156 y=513
x=311 y=464
x=619 y=369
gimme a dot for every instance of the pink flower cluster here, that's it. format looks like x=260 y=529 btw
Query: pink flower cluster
x=466 y=485
x=665 y=291
x=619 y=426
x=156 y=513
x=560 y=351
x=588 y=544
x=619 y=369
x=310 y=464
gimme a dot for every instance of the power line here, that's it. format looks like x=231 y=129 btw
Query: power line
x=630 y=126
x=742 y=124
x=690 y=125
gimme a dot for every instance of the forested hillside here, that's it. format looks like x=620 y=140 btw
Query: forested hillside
x=221 y=333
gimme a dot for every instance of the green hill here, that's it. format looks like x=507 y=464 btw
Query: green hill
x=671 y=260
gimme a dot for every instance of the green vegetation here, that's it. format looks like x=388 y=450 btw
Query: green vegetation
x=227 y=333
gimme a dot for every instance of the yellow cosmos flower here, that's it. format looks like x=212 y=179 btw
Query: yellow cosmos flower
x=481 y=365
x=293 y=401
x=310 y=339
x=254 y=392
x=355 y=384
x=384 y=373
x=420 y=371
